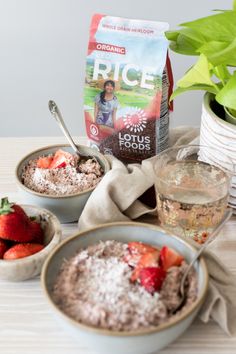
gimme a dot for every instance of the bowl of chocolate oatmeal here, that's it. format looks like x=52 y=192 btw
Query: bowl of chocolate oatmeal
x=55 y=178
x=115 y=286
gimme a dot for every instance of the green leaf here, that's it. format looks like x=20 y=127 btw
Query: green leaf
x=220 y=27
x=220 y=52
x=232 y=111
x=185 y=41
x=222 y=73
x=234 y=5
x=227 y=96
x=181 y=90
x=6 y=206
x=183 y=46
x=198 y=74
x=172 y=35
x=33 y=218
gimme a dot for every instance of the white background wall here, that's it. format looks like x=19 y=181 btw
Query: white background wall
x=43 y=45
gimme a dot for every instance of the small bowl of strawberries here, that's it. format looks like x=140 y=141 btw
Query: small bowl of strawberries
x=27 y=235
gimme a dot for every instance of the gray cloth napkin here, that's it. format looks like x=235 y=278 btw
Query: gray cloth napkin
x=116 y=199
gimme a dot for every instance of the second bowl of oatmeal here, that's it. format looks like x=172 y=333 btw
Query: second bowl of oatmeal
x=115 y=286
x=53 y=178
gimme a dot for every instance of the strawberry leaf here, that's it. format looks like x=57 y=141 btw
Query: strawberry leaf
x=6 y=206
x=33 y=218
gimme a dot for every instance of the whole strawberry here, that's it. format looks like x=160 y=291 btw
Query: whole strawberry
x=3 y=248
x=22 y=250
x=14 y=223
x=36 y=231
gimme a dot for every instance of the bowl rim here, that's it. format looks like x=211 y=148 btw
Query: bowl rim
x=111 y=333
x=22 y=160
x=57 y=235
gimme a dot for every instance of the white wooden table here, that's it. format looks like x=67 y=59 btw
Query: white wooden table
x=26 y=324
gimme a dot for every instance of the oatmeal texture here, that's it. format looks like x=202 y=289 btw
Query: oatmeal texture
x=94 y=288
x=73 y=178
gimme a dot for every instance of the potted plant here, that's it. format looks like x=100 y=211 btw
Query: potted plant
x=213 y=40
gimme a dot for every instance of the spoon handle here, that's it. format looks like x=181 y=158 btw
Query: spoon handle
x=58 y=117
x=213 y=235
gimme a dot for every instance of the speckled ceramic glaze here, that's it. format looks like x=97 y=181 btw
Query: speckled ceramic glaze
x=66 y=208
x=29 y=267
x=105 y=341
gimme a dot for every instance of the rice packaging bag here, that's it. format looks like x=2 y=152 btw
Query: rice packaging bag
x=127 y=87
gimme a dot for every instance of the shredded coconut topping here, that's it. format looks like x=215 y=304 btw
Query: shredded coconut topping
x=73 y=178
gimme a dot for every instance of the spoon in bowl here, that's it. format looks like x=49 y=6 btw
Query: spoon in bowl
x=53 y=108
x=214 y=234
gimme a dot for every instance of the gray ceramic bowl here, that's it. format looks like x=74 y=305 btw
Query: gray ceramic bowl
x=29 y=267
x=105 y=341
x=66 y=208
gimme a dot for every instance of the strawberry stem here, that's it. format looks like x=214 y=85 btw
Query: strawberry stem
x=6 y=206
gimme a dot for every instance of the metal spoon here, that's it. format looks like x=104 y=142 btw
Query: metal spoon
x=58 y=117
x=214 y=234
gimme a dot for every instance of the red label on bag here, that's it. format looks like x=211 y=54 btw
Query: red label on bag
x=105 y=47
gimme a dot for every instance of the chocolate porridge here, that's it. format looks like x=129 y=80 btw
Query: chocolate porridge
x=94 y=287
x=67 y=177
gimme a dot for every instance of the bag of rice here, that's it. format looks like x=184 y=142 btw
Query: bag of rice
x=127 y=87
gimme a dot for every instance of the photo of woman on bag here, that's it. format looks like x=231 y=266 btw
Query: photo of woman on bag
x=106 y=104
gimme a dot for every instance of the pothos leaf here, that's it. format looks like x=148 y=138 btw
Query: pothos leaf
x=227 y=96
x=220 y=52
x=213 y=38
x=221 y=27
x=172 y=35
x=222 y=73
x=181 y=90
x=198 y=74
x=185 y=41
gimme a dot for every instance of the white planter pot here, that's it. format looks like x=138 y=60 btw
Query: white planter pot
x=220 y=135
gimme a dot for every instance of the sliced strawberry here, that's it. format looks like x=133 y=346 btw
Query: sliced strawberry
x=136 y=251
x=146 y=260
x=44 y=162
x=22 y=250
x=61 y=159
x=3 y=248
x=151 y=278
x=36 y=231
x=169 y=258
x=140 y=248
x=58 y=163
x=132 y=259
